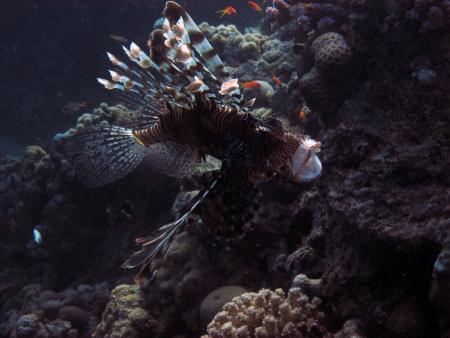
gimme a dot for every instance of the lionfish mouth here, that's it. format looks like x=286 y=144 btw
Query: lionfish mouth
x=306 y=165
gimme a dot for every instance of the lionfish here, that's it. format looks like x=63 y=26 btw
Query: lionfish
x=193 y=108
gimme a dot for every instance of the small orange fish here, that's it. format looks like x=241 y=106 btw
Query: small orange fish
x=228 y=86
x=277 y=81
x=251 y=84
x=302 y=115
x=230 y=10
x=254 y=5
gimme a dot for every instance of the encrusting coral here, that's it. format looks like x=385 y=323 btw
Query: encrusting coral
x=228 y=39
x=251 y=55
x=428 y=16
x=35 y=312
x=104 y=114
x=126 y=315
x=269 y=314
x=306 y=19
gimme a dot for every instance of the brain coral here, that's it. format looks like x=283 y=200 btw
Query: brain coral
x=331 y=53
x=269 y=314
x=325 y=85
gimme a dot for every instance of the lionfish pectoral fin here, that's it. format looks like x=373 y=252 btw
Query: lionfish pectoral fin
x=103 y=154
x=160 y=240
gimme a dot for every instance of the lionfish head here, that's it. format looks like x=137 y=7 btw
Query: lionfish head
x=304 y=163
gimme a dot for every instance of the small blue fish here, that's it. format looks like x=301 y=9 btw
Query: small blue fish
x=37 y=237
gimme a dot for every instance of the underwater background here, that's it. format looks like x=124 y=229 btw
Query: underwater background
x=362 y=251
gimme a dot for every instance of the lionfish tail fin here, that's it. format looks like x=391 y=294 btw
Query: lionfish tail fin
x=103 y=154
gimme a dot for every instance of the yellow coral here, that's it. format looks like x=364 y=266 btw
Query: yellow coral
x=125 y=315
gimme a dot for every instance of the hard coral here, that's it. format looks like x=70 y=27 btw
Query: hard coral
x=214 y=301
x=36 y=162
x=76 y=310
x=325 y=85
x=29 y=326
x=125 y=315
x=269 y=314
x=427 y=15
x=104 y=114
x=302 y=19
x=228 y=39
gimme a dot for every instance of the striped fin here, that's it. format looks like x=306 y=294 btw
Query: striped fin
x=208 y=60
x=142 y=83
x=159 y=242
x=173 y=12
x=173 y=160
x=103 y=154
x=181 y=63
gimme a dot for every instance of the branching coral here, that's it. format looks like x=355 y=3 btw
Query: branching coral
x=214 y=301
x=269 y=314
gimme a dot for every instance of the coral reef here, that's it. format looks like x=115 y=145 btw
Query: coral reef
x=104 y=114
x=29 y=326
x=229 y=41
x=351 y=329
x=126 y=315
x=269 y=314
x=216 y=299
x=252 y=56
x=35 y=312
x=326 y=84
x=424 y=16
x=303 y=19
x=370 y=239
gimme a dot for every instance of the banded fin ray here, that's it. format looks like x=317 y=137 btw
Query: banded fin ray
x=173 y=160
x=161 y=75
x=103 y=154
x=173 y=12
x=159 y=242
x=208 y=60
